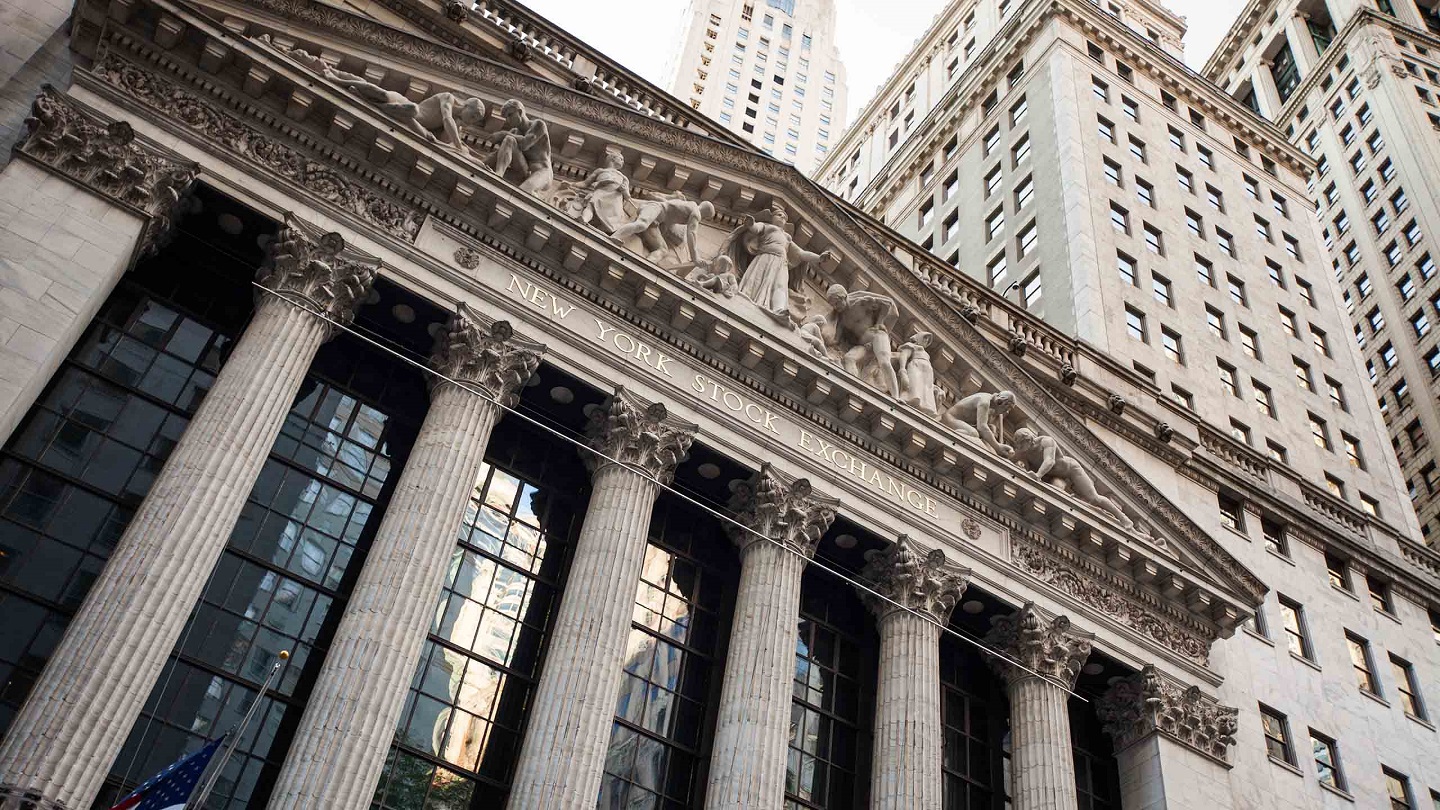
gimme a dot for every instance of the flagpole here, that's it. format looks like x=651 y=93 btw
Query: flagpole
x=198 y=799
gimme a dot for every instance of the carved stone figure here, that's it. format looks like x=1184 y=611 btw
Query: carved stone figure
x=525 y=144
x=764 y=253
x=1046 y=462
x=861 y=322
x=600 y=198
x=971 y=417
x=812 y=331
x=917 y=375
x=437 y=118
x=718 y=277
x=666 y=223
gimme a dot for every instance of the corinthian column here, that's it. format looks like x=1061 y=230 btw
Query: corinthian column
x=340 y=749
x=636 y=446
x=909 y=738
x=1049 y=654
x=70 y=730
x=784 y=522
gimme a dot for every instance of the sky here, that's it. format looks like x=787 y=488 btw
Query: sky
x=873 y=34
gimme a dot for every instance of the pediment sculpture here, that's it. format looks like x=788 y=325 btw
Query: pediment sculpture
x=763 y=253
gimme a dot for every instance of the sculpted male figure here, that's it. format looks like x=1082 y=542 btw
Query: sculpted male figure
x=438 y=118
x=667 y=222
x=971 y=416
x=527 y=144
x=862 y=321
x=1042 y=455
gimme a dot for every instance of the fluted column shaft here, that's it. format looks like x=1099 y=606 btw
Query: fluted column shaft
x=563 y=757
x=782 y=522
x=73 y=725
x=340 y=749
x=914 y=592
x=1041 y=758
x=752 y=732
x=909 y=739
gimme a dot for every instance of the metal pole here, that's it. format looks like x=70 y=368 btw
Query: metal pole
x=198 y=799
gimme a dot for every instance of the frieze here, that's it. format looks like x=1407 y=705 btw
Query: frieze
x=107 y=157
x=1147 y=619
x=622 y=120
x=176 y=104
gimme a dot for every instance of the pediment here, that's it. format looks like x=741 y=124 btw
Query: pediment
x=806 y=300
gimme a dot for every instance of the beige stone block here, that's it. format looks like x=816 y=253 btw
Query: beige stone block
x=30 y=344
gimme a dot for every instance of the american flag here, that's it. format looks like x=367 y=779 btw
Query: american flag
x=171 y=788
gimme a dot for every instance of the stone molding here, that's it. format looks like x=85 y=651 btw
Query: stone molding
x=329 y=276
x=644 y=436
x=475 y=348
x=1136 y=706
x=1111 y=599
x=106 y=157
x=1045 y=645
x=920 y=297
x=786 y=512
x=918 y=579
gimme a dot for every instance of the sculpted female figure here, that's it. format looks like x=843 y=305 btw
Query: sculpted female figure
x=764 y=252
x=604 y=194
x=917 y=374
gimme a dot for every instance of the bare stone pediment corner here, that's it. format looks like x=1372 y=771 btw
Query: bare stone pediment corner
x=840 y=249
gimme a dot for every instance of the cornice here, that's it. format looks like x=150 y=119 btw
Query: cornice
x=920 y=298
x=1234 y=40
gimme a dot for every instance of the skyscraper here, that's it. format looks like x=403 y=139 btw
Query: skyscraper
x=1355 y=86
x=768 y=70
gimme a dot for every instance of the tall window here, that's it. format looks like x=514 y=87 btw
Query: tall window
x=1292 y=620
x=1408 y=687
x=1327 y=760
x=1284 y=71
x=463 y=720
x=976 y=758
x=1277 y=735
x=1360 y=661
x=831 y=709
x=1397 y=787
x=657 y=741
x=1097 y=782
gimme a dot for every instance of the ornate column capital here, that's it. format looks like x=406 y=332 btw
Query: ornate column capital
x=105 y=156
x=1045 y=645
x=917 y=579
x=639 y=434
x=788 y=512
x=475 y=348
x=332 y=277
x=1136 y=706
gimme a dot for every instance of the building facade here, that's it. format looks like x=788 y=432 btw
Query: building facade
x=380 y=336
x=1354 y=86
x=1075 y=168
x=769 y=71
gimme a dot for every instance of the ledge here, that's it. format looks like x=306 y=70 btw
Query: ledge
x=1391 y=616
x=1260 y=637
x=1348 y=593
x=1287 y=766
x=1273 y=553
x=1376 y=698
x=1344 y=794
x=1420 y=720
x=1306 y=661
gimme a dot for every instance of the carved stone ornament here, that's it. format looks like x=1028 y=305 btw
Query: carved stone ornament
x=1017 y=344
x=318 y=271
x=1041 y=644
x=1150 y=620
x=457 y=10
x=970 y=527
x=519 y=49
x=1116 y=404
x=969 y=312
x=1068 y=374
x=1147 y=703
x=106 y=156
x=178 y=107
x=787 y=512
x=474 y=348
x=1164 y=432
x=915 y=578
x=638 y=434
x=467 y=257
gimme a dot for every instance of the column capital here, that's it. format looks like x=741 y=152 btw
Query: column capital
x=1136 y=706
x=332 y=277
x=475 y=348
x=106 y=156
x=1045 y=645
x=786 y=511
x=638 y=434
x=917 y=579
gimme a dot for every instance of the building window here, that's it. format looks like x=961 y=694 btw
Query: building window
x=1030 y=290
x=1264 y=400
x=1379 y=591
x=1126 y=267
x=1154 y=240
x=1160 y=287
x=994 y=224
x=1024 y=193
x=1397 y=787
x=1292 y=620
x=1120 y=218
x=1232 y=512
x=1170 y=342
x=1273 y=532
x=1338 y=570
x=1145 y=192
x=1408 y=687
x=1227 y=378
x=1361 y=664
x=1204 y=271
x=1327 y=760
x=1249 y=342
x=1277 y=735
x=1025 y=241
